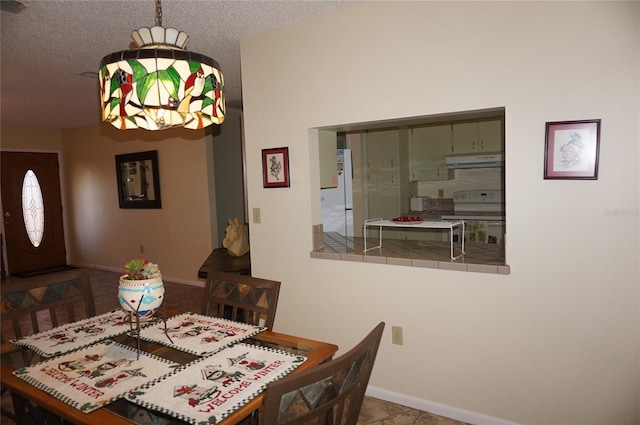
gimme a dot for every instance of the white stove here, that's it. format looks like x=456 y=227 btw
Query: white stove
x=483 y=214
x=482 y=205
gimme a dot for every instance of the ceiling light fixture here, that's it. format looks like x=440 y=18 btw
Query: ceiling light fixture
x=160 y=85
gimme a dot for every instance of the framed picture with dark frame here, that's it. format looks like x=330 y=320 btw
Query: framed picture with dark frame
x=275 y=167
x=572 y=150
x=138 y=180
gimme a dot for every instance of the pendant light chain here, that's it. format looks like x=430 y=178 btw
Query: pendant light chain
x=158 y=13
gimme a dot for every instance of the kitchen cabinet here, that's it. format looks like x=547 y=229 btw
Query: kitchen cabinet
x=383 y=151
x=384 y=187
x=328 y=155
x=477 y=137
x=428 y=146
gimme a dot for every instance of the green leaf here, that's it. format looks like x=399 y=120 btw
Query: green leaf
x=113 y=85
x=87 y=406
x=139 y=71
x=208 y=84
x=206 y=102
x=133 y=395
x=194 y=66
x=144 y=86
x=170 y=80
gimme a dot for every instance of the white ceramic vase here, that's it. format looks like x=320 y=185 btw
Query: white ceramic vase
x=142 y=296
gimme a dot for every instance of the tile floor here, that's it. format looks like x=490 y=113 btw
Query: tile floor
x=188 y=298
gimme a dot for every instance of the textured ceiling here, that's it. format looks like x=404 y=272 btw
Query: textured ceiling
x=48 y=45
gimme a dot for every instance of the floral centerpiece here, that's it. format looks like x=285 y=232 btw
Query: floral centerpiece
x=140 y=289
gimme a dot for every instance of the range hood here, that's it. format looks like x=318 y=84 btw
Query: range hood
x=487 y=160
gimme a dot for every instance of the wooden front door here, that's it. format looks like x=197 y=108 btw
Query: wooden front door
x=40 y=244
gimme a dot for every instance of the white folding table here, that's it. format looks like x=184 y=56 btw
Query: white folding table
x=439 y=224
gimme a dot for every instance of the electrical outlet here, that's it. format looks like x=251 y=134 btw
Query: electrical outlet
x=141 y=249
x=256 y=215
x=396 y=335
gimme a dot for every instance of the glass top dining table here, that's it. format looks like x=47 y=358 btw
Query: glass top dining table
x=120 y=411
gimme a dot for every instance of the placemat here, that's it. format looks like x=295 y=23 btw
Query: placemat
x=92 y=377
x=198 y=334
x=210 y=389
x=75 y=335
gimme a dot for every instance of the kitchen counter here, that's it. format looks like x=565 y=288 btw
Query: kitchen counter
x=478 y=258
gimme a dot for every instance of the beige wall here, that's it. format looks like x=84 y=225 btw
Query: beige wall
x=98 y=233
x=177 y=236
x=557 y=340
x=31 y=139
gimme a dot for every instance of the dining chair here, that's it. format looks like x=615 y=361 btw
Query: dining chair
x=329 y=394
x=33 y=305
x=241 y=298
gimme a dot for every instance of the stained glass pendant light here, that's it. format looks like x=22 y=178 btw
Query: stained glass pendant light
x=160 y=85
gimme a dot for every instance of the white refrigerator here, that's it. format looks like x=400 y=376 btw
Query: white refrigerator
x=337 y=203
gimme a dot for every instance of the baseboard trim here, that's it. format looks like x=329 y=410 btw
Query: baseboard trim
x=435 y=408
x=165 y=278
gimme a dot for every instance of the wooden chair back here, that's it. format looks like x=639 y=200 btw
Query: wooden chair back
x=37 y=304
x=329 y=394
x=32 y=305
x=241 y=298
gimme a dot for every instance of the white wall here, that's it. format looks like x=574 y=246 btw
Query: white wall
x=557 y=340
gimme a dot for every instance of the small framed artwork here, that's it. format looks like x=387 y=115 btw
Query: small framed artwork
x=275 y=167
x=572 y=149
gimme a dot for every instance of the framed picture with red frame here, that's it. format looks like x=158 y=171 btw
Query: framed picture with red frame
x=275 y=167
x=572 y=150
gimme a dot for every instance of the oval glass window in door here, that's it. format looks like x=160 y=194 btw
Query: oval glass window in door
x=33 y=208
